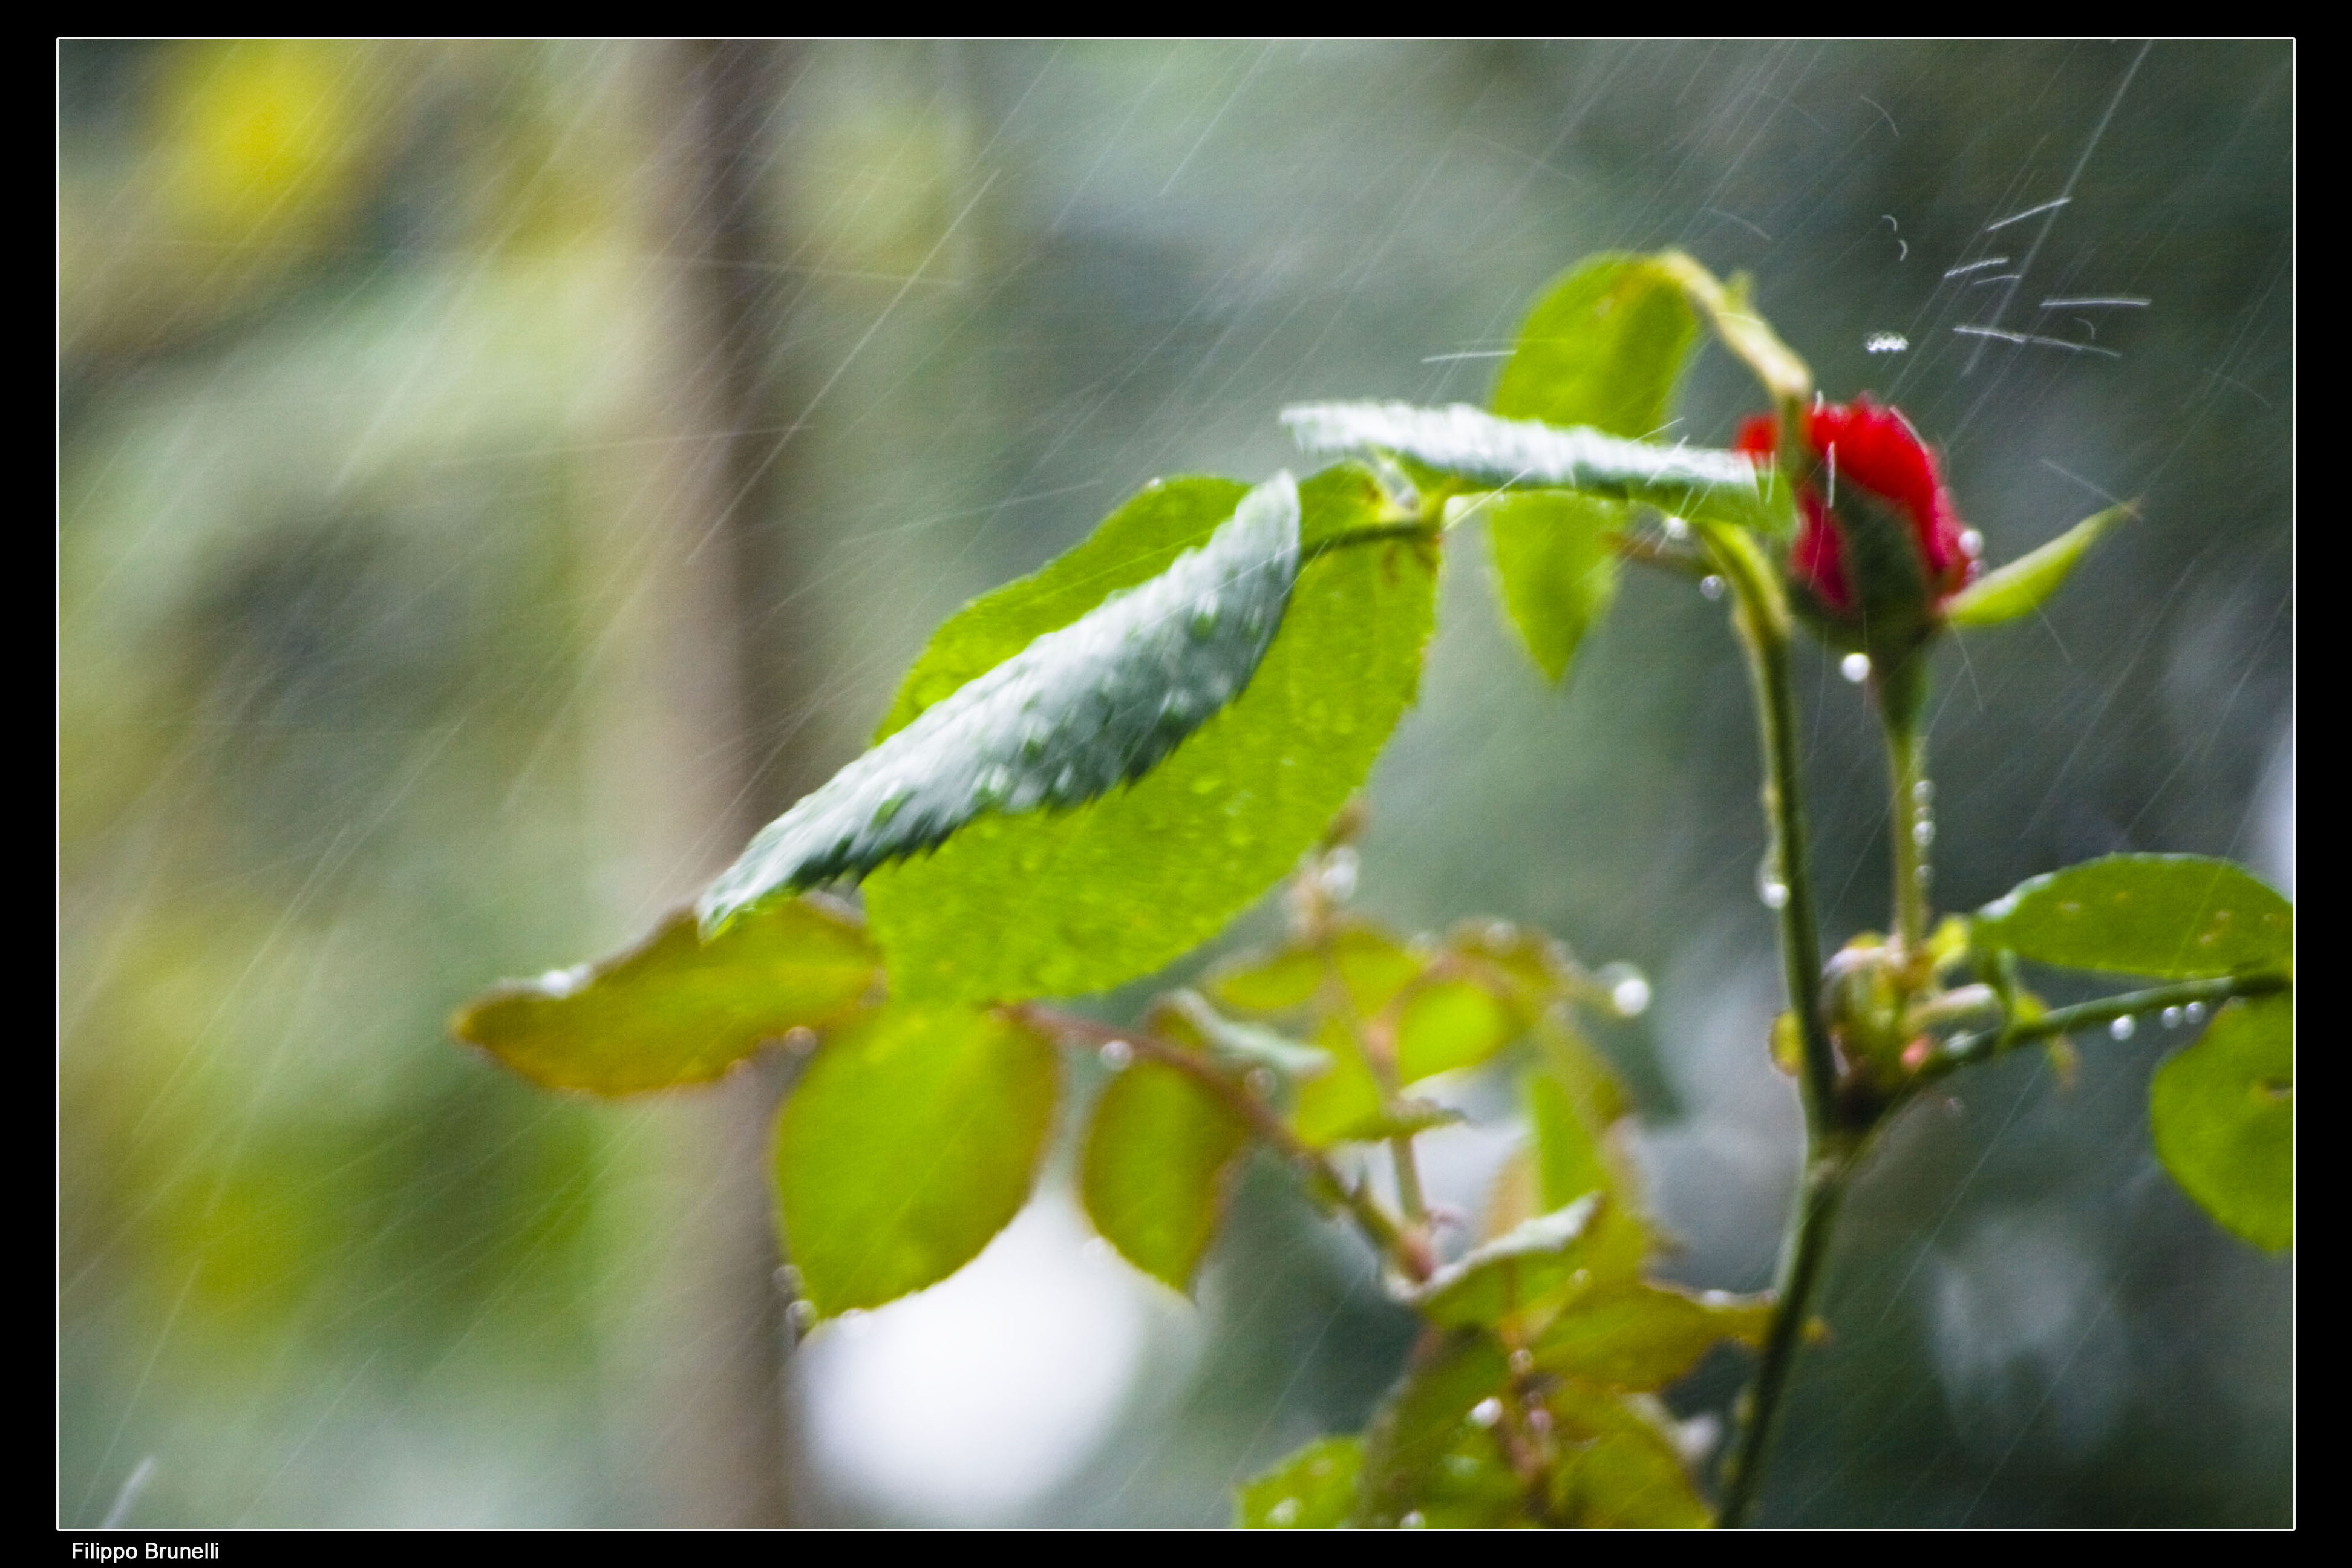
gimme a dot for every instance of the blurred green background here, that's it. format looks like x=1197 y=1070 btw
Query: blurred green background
x=494 y=477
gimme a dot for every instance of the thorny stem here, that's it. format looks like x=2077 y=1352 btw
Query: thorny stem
x=1408 y=1252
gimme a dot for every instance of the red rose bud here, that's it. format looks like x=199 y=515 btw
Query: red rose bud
x=1874 y=470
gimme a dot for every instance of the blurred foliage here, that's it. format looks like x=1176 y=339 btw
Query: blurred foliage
x=362 y=414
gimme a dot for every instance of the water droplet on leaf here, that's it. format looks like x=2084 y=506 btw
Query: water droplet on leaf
x=2122 y=1028
x=1855 y=667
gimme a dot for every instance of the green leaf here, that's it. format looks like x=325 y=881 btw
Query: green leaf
x=1081 y=709
x=913 y=1138
x=2223 y=1113
x=2180 y=917
x=1160 y=1159
x=1603 y=347
x=1450 y=1024
x=2019 y=587
x=1572 y=1102
x=1520 y=1277
x=1646 y=1336
x=1344 y=1105
x=1425 y=1455
x=1618 y=1467
x=1554 y=566
x=1700 y=484
x=1314 y=1489
x=1248 y=1045
x=1059 y=905
x=676 y=1009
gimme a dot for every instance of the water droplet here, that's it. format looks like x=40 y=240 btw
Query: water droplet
x=1488 y=1411
x=1523 y=1362
x=2122 y=1028
x=1677 y=527
x=1923 y=792
x=1414 y=1520
x=1539 y=1421
x=1923 y=833
x=1855 y=667
x=803 y=1315
x=1338 y=874
x=1922 y=875
x=2194 y=1012
x=1629 y=993
x=2170 y=1018
x=1885 y=343
x=1711 y=585
x=1501 y=934
x=1971 y=544
x=1116 y=1054
x=788 y=1280
x=800 y=1039
x=1284 y=1512
x=1773 y=891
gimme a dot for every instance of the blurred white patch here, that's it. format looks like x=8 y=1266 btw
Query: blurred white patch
x=1721 y=1177
x=2274 y=837
x=2024 y=1334
x=964 y=1402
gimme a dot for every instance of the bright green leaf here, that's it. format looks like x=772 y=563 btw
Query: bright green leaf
x=1343 y=1105
x=1160 y=1158
x=913 y=1138
x=2180 y=916
x=1059 y=905
x=1603 y=347
x=1618 y=1466
x=1520 y=1277
x=1646 y=1336
x=1076 y=712
x=1554 y=566
x=1572 y=1102
x=1450 y=1024
x=1692 y=482
x=2223 y=1113
x=2019 y=587
x=1314 y=1489
x=676 y=1009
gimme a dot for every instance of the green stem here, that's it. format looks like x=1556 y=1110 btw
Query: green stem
x=1803 y=1253
x=1905 y=772
x=1408 y=1180
x=1961 y=1051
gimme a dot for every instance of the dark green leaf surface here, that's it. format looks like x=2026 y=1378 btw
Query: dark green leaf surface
x=1722 y=486
x=1603 y=347
x=1554 y=566
x=1160 y=1157
x=912 y=1141
x=1314 y=1489
x=1639 y=1337
x=2222 y=1113
x=1059 y=905
x=1075 y=713
x=676 y=1009
x=2019 y=587
x=2180 y=916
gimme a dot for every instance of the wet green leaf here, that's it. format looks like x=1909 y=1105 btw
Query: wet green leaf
x=1039 y=905
x=1521 y=1277
x=1639 y=1336
x=1424 y=1455
x=2222 y=1113
x=1555 y=568
x=1078 y=711
x=1721 y=486
x=2180 y=916
x=1160 y=1159
x=1314 y=1489
x=1603 y=347
x=1618 y=1467
x=913 y=1138
x=2019 y=587
x=676 y=1009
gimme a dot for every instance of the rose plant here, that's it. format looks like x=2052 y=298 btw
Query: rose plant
x=1088 y=773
